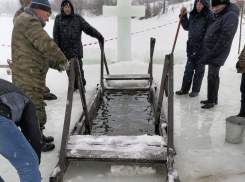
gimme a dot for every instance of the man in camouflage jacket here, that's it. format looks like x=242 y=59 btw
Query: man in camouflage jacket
x=46 y=91
x=241 y=69
x=32 y=51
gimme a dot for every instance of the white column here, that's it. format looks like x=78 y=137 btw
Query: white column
x=123 y=11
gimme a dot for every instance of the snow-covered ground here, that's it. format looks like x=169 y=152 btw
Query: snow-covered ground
x=202 y=152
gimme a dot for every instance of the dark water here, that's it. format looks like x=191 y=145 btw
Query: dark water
x=124 y=113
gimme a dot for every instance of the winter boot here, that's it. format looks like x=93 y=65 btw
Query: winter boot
x=242 y=110
x=46 y=147
x=49 y=97
x=181 y=92
x=206 y=101
x=194 y=94
x=48 y=139
x=208 y=105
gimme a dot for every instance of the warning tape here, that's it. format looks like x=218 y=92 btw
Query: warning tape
x=116 y=38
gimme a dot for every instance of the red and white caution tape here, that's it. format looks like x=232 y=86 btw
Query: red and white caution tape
x=116 y=38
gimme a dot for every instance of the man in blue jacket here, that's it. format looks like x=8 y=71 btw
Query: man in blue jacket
x=67 y=33
x=217 y=45
x=196 y=25
x=21 y=149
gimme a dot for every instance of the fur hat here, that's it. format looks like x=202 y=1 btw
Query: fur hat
x=24 y=3
x=41 y=4
x=218 y=2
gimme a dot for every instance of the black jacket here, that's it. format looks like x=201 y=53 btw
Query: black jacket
x=219 y=36
x=16 y=106
x=197 y=25
x=67 y=32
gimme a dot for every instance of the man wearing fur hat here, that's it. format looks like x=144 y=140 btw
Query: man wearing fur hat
x=217 y=45
x=67 y=33
x=196 y=25
x=32 y=51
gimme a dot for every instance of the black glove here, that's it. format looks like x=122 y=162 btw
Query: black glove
x=101 y=39
x=239 y=66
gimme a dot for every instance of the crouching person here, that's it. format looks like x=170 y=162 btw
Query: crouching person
x=21 y=149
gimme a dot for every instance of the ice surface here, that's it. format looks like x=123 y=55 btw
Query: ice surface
x=203 y=155
x=123 y=11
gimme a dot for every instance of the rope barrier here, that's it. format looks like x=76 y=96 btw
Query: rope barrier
x=89 y=44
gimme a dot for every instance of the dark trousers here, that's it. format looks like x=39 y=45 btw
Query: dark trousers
x=213 y=82
x=193 y=64
x=82 y=74
x=242 y=88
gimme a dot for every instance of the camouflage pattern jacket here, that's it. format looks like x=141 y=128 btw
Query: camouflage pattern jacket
x=21 y=10
x=240 y=66
x=32 y=52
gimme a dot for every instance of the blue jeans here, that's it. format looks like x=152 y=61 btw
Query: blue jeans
x=17 y=150
x=193 y=64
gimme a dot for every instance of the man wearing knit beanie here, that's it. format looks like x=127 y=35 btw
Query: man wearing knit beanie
x=33 y=52
x=217 y=45
x=41 y=4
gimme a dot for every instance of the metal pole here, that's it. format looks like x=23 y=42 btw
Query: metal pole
x=176 y=36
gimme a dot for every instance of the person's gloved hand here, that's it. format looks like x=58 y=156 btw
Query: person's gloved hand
x=64 y=67
x=239 y=66
x=101 y=39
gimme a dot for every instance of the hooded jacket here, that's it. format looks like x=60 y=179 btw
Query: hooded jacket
x=196 y=26
x=68 y=30
x=219 y=36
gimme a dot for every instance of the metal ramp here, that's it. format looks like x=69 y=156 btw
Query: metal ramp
x=140 y=149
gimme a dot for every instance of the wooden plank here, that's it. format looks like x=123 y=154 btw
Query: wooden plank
x=117 y=148
x=146 y=156
x=150 y=70
x=115 y=141
x=128 y=88
x=128 y=77
x=106 y=67
x=171 y=104
x=102 y=69
x=82 y=95
x=162 y=87
x=66 y=127
x=92 y=106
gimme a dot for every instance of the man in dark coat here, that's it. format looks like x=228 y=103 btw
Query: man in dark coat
x=67 y=33
x=196 y=25
x=21 y=148
x=217 y=44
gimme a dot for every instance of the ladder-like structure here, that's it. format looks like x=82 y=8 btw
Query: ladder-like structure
x=139 y=149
